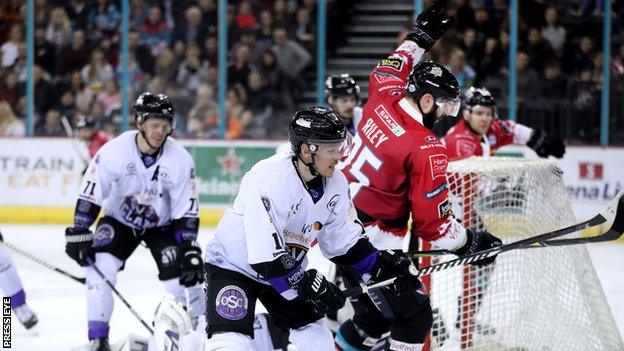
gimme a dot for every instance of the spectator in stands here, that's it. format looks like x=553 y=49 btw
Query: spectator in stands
x=248 y=38
x=539 y=50
x=260 y=104
x=210 y=50
x=51 y=125
x=59 y=29
x=97 y=71
x=154 y=31
x=45 y=96
x=141 y=52
x=45 y=52
x=104 y=16
x=77 y=11
x=10 y=125
x=292 y=58
x=166 y=66
x=485 y=25
x=471 y=47
x=189 y=75
x=281 y=17
x=203 y=116
x=554 y=84
x=67 y=103
x=581 y=58
x=84 y=95
x=10 y=90
x=245 y=17
x=305 y=30
x=465 y=17
x=110 y=96
x=96 y=110
x=457 y=65
x=209 y=14
x=192 y=30
x=528 y=82
x=617 y=62
x=74 y=56
x=265 y=32
x=276 y=80
x=10 y=49
x=138 y=12
x=553 y=32
x=237 y=116
x=239 y=69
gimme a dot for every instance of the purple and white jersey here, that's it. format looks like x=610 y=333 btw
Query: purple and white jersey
x=138 y=196
x=274 y=215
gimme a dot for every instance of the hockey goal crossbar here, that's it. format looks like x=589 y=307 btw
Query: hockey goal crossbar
x=614 y=211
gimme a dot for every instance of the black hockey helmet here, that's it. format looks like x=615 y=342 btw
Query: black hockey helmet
x=478 y=96
x=342 y=85
x=431 y=77
x=153 y=105
x=315 y=126
x=85 y=121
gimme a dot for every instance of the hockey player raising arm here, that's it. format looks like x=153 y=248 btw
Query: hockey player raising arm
x=145 y=181
x=396 y=169
x=480 y=132
x=259 y=251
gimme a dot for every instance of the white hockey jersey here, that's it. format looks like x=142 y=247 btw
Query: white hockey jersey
x=274 y=215
x=141 y=197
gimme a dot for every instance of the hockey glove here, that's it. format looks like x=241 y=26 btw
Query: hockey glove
x=390 y=264
x=430 y=25
x=544 y=145
x=323 y=295
x=478 y=241
x=79 y=245
x=191 y=264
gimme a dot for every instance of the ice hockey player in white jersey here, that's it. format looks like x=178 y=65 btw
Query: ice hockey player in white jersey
x=145 y=181
x=11 y=286
x=284 y=204
x=342 y=94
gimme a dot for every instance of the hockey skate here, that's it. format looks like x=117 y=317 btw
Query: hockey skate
x=99 y=345
x=26 y=316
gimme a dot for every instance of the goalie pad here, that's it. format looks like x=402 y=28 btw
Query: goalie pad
x=171 y=315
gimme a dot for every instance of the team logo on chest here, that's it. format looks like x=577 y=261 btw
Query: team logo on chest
x=138 y=215
x=332 y=203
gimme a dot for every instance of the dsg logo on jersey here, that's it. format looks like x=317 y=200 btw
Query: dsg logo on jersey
x=231 y=302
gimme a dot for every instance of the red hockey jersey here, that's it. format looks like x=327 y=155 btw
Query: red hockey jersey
x=397 y=166
x=462 y=142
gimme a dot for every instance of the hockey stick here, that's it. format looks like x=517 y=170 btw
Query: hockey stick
x=42 y=262
x=614 y=210
x=108 y=282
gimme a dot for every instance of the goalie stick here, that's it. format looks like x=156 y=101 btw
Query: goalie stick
x=614 y=210
x=42 y=262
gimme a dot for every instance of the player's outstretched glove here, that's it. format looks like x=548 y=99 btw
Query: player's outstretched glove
x=323 y=295
x=545 y=146
x=479 y=241
x=430 y=25
x=79 y=245
x=191 y=264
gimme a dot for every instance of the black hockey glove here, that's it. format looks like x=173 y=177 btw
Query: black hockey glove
x=430 y=25
x=479 y=241
x=79 y=245
x=323 y=295
x=191 y=264
x=545 y=146
x=390 y=264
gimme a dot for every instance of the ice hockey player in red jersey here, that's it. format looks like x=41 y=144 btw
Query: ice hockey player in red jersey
x=396 y=169
x=95 y=138
x=481 y=132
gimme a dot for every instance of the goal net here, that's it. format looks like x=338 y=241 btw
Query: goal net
x=531 y=299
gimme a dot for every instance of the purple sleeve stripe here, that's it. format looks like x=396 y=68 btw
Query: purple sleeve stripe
x=279 y=283
x=366 y=264
x=287 y=281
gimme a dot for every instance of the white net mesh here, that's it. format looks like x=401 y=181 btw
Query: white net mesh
x=532 y=299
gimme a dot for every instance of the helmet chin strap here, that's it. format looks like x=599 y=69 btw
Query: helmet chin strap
x=148 y=143
x=310 y=165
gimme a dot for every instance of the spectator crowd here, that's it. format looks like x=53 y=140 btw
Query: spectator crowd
x=271 y=49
